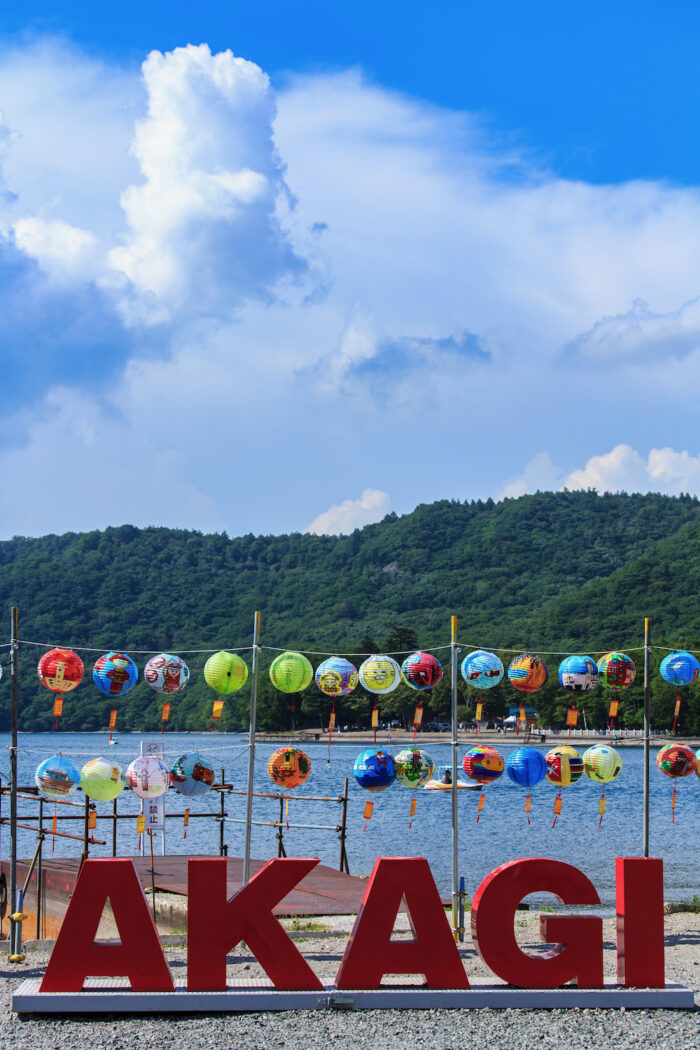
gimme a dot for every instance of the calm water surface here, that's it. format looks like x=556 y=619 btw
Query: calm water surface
x=501 y=835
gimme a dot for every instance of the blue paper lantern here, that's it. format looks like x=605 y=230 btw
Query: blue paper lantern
x=526 y=766
x=374 y=770
x=680 y=668
x=192 y=774
x=115 y=674
x=57 y=777
x=336 y=676
x=482 y=670
x=578 y=674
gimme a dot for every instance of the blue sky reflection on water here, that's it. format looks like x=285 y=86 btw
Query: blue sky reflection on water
x=501 y=835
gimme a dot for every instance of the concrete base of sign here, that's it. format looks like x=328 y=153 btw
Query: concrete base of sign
x=109 y=995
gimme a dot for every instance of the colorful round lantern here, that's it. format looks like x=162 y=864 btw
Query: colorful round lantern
x=380 y=674
x=616 y=671
x=225 y=672
x=148 y=776
x=578 y=674
x=166 y=673
x=60 y=670
x=679 y=668
x=374 y=770
x=421 y=670
x=289 y=767
x=336 y=676
x=602 y=763
x=57 y=777
x=677 y=760
x=192 y=774
x=564 y=765
x=414 y=766
x=115 y=674
x=481 y=669
x=102 y=780
x=528 y=673
x=483 y=764
x=697 y=761
x=526 y=766
x=291 y=672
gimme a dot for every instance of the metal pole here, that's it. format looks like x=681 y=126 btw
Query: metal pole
x=222 y=814
x=39 y=871
x=251 y=748
x=455 y=795
x=344 y=866
x=14 y=673
x=647 y=654
x=114 y=827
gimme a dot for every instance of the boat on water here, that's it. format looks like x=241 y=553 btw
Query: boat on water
x=444 y=782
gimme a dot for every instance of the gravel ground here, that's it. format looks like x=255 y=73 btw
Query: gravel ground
x=389 y=1029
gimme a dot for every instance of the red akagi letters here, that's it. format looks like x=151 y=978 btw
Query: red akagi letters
x=216 y=924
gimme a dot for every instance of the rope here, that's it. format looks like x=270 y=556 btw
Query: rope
x=139 y=652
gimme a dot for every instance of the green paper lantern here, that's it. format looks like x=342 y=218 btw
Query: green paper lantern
x=225 y=672
x=291 y=672
x=102 y=780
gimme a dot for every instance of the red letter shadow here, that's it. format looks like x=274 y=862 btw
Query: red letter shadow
x=215 y=925
x=579 y=958
x=370 y=951
x=76 y=955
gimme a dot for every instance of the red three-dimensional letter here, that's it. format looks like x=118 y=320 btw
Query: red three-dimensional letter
x=639 y=885
x=76 y=955
x=370 y=951
x=215 y=925
x=580 y=958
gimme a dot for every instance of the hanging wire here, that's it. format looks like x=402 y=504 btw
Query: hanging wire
x=138 y=652
x=313 y=652
x=551 y=652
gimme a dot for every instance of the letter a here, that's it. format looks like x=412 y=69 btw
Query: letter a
x=370 y=951
x=76 y=955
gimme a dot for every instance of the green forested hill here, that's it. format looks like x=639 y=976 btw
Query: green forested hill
x=569 y=570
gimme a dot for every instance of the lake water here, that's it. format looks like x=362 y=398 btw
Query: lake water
x=501 y=835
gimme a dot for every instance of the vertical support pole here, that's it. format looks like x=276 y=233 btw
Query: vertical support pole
x=114 y=827
x=14 y=672
x=280 y=844
x=86 y=833
x=344 y=866
x=647 y=730
x=455 y=778
x=222 y=814
x=251 y=748
x=39 y=869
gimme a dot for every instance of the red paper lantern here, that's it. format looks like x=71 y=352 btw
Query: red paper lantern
x=60 y=670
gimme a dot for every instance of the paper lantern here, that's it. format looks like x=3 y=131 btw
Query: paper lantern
x=578 y=674
x=380 y=674
x=57 y=777
x=616 y=671
x=115 y=674
x=697 y=762
x=289 y=767
x=677 y=760
x=482 y=670
x=413 y=766
x=679 y=668
x=60 y=670
x=602 y=763
x=225 y=672
x=526 y=766
x=102 y=780
x=336 y=676
x=564 y=765
x=374 y=770
x=421 y=670
x=483 y=764
x=148 y=776
x=528 y=673
x=166 y=673
x=291 y=672
x=191 y=774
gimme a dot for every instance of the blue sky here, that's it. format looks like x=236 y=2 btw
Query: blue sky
x=385 y=254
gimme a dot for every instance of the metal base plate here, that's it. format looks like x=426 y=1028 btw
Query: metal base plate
x=108 y=995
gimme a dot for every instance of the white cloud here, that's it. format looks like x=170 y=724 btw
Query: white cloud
x=204 y=231
x=62 y=251
x=342 y=518
x=540 y=474
x=640 y=335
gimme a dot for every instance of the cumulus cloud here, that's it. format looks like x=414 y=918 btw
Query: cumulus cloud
x=342 y=518
x=204 y=229
x=62 y=251
x=623 y=469
x=639 y=334
x=540 y=474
